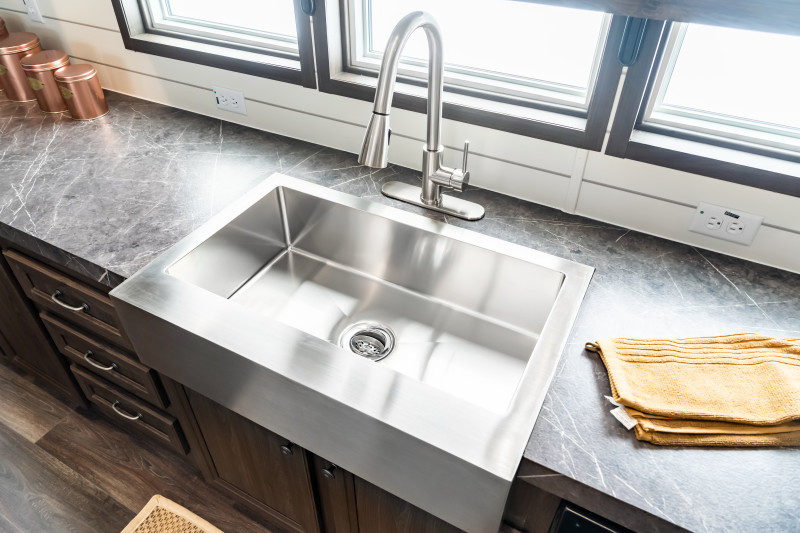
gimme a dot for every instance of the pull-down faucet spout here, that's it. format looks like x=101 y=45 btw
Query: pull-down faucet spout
x=375 y=149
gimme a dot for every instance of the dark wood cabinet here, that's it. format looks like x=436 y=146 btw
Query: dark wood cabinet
x=130 y=411
x=529 y=509
x=259 y=467
x=105 y=360
x=336 y=496
x=382 y=512
x=349 y=504
x=299 y=490
x=81 y=323
x=24 y=342
x=51 y=290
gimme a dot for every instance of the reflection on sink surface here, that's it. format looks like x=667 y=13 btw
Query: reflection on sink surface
x=284 y=307
x=465 y=319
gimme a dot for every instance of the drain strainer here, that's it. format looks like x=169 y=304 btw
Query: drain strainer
x=368 y=339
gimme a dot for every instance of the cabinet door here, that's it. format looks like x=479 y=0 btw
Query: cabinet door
x=24 y=342
x=336 y=496
x=382 y=512
x=256 y=465
x=529 y=508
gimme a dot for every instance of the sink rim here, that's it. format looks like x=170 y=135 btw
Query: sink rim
x=485 y=441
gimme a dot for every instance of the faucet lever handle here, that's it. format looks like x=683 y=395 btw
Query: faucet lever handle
x=466 y=155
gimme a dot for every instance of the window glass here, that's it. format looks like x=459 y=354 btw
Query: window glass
x=553 y=48
x=733 y=81
x=262 y=26
x=274 y=17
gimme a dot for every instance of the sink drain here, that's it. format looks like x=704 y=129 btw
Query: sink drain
x=368 y=339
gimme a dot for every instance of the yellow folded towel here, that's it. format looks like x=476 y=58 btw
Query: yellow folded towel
x=730 y=390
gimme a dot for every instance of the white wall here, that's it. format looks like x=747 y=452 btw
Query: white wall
x=644 y=197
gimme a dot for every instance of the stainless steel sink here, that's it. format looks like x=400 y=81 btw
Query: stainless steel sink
x=413 y=353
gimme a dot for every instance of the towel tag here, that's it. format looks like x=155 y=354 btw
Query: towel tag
x=611 y=401
x=624 y=418
x=622 y=415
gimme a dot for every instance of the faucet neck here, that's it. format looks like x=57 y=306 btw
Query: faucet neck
x=388 y=73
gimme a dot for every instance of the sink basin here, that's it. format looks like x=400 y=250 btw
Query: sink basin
x=463 y=318
x=413 y=353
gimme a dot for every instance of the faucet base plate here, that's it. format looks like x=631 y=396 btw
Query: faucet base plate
x=450 y=205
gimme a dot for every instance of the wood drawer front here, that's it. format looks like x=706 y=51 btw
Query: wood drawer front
x=121 y=406
x=41 y=282
x=104 y=360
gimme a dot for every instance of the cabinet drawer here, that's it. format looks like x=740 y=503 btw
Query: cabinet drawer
x=130 y=411
x=55 y=292
x=104 y=360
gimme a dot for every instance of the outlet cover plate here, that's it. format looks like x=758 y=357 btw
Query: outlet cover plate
x=230 y=100
x=736 y=226
x=34 y=12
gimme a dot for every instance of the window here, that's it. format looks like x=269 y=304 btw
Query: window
x=733 y=84
x=715 y=101
x=537 y=70
x=269 y=38
x=268 y=26
x=494 y=47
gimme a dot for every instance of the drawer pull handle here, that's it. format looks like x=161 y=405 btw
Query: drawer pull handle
x=56 y=297
x=330 y=471
x=123 y=414
x=288 y=448
x=89 y=359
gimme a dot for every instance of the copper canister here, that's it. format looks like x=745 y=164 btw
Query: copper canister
x=39 y=68
x=13 y=49
x=3 y=35
x=81 y=90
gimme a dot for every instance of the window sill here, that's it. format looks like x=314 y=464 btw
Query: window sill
x=255 y=64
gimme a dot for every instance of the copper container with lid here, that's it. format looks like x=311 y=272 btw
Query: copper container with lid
x=39 y=69
x=3 y=35
x=13 y=49
x=81 y=90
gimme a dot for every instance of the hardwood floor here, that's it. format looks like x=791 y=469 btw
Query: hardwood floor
x=27 y=409
x=63 y=470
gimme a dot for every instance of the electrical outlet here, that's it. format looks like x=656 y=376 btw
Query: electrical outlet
x=229 y=100
x=725 y=223
x=33 y=10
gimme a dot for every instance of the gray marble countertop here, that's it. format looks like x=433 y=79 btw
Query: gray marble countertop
x=104 y=197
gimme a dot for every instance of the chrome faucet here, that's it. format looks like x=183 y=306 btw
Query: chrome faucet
x=375 y=149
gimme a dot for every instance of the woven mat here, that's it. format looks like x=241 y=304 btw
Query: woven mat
x=161 y=515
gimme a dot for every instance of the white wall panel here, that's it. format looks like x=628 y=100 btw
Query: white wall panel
x=771 y=246
x=683 y=187
x=90 y=12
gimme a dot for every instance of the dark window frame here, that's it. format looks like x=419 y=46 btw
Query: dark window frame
x=132 y=27
x=329 y=45
x=776 y=16
x=727 y=160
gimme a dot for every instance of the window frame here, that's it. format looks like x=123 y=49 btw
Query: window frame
x=680 y=149
x=273 y=64
x=550 y=122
